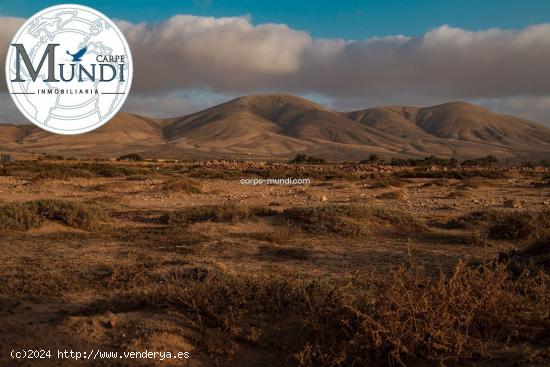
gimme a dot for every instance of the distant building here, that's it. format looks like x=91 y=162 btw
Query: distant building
x=6 y=158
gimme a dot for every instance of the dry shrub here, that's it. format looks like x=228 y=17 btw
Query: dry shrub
x=535 y=256
x=513 y=225
x=349 y=220
x=457 y=174
x=215 y=173
x=285 y=234
x=42 y=170
x=405 y=317
x=229 y=212
x=471 y=218
x=137 y=177
x=329 y=219
x=31 y=214
x=181 y=185
x=61 y=173
x=131 y=271
x=399 y=219
x=285 y=252
x=385 y=181
x=520 y=225
x=392 y=195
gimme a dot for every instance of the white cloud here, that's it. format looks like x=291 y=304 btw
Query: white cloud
x=231 y=56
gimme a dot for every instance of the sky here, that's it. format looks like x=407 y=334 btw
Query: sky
x=344 y=54
x=349 y=19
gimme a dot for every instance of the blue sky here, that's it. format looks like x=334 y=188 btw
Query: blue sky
x=494 y=53
x=351 y=19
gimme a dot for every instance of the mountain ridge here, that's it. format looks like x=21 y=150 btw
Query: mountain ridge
x=279 y=125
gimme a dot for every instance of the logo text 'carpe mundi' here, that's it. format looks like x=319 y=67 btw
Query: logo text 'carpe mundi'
x=102 y=71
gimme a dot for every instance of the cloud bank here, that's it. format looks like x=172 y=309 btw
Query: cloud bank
x=503 y=69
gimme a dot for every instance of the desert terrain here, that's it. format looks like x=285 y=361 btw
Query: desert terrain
x=367 y=264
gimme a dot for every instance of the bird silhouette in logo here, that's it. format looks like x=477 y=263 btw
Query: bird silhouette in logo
x=78 y=56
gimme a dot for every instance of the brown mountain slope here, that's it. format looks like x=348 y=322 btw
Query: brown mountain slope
x=464 y=121
x=278 y=126
x=10 y=134
x=273 y=124
x=125 y=132
x=454 y=120
x=394 y=120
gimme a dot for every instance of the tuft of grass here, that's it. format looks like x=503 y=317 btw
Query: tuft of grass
x=214 y=213
x=22 y=216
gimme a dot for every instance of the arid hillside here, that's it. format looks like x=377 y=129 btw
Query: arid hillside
x=279 y=126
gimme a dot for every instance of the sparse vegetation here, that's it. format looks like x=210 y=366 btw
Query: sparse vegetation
x=534 y=257
x=32 y=214
x=455 y=174
x=519 y=225
x=285 y=252
x=384 y=181
x=306 y=159
x=133 y=157
x=373 y=158
x=516 y=225
x=348 y=220
x=38 y=170
x=336 y=273
x=428 y=161
x=181 y=185
x=405 y=317
x=214 y=213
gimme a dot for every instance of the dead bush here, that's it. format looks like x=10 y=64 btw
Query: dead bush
x=230 y=212
x=405 y=317
x=349 y=220
x=31 y=214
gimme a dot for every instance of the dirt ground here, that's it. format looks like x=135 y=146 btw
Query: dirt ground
x=57 y=277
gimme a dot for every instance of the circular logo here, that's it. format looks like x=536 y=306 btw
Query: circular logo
x=69 y=69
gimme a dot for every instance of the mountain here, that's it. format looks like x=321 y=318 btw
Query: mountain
x=279 y=126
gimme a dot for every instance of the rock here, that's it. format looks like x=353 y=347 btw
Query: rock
x=324 y=198
x=512 y=203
